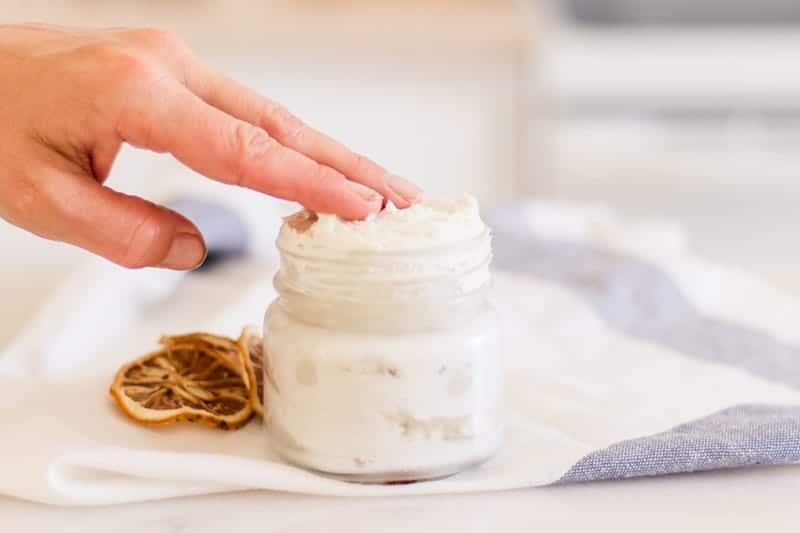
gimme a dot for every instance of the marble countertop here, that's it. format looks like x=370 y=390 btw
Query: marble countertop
x=759 y=499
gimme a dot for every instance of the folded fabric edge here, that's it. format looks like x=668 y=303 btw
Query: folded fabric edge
x=108 y=476
x=740 y=436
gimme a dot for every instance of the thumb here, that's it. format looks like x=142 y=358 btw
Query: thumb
x=127 y=230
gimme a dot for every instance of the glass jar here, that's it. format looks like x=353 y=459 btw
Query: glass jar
x=384 y=366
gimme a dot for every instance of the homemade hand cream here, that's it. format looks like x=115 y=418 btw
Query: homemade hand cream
x=382 y=357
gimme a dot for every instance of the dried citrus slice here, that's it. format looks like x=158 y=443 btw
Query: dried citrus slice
x=208 y=340
x=214 y=344
x=252 y=352
x=183 y=382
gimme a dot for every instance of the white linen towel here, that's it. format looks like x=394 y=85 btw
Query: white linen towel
x=627 y=356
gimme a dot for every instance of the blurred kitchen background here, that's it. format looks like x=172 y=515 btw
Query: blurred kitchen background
x=681 y=109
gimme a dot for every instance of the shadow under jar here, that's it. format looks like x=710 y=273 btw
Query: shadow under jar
x=384 y=366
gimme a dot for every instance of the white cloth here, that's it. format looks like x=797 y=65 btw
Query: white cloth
x=574 y=385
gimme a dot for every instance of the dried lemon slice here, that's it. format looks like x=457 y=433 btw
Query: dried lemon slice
x=252 y=353
x=214 y=344
x=207 y=340
x=184 y=381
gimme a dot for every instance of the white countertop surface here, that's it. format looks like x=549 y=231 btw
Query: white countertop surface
x=731 y=501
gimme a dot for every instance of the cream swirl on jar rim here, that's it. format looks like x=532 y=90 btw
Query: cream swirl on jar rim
x=426 y=225
x=427 y=240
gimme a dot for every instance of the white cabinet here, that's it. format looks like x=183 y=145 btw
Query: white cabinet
x=696 y=125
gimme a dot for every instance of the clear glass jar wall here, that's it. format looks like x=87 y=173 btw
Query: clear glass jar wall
x=384 y=367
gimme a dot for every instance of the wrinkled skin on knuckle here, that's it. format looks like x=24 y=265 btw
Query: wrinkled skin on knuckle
x=147 y=243
x=117 y=64
x=139 y=86
x=285 y=126
x=365 y=167
x=250 y=146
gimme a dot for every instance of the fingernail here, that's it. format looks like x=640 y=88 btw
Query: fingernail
x=404 y=188
x=370 y=196
x=187 y=252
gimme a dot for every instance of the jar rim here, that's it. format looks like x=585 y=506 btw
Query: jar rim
x=406 y=252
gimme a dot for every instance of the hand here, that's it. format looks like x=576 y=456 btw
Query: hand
x=70 y=98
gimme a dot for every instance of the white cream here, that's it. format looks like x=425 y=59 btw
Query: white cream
x=434 y=239
x=422 y=226
x=383 y=357
x=406 y=406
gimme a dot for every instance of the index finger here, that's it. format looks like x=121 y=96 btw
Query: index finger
x=246 y=104
x=233 y=151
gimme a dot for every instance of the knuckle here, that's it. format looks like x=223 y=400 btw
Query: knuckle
x=362 y=166
x=126 y=66
x=288 y=128
x=322 y=175
x=250 y=144
x=144 y=245
x=118 y=74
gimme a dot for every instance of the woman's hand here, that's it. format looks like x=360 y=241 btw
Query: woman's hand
x=70 y=98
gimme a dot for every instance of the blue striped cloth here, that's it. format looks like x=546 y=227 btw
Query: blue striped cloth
x=640 y=300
